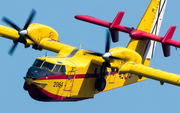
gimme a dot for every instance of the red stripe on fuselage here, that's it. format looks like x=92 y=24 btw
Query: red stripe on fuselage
x=77 y=76
x=40 y=94
x=63 y=76
x=57 y=97
x=61 y=98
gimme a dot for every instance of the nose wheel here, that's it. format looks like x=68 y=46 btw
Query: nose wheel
x=100 y=84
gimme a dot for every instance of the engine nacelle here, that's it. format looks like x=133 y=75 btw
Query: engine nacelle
x=38 y=32
x=126 y=54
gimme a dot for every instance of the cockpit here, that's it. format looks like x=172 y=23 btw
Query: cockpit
x=46 y=66
x=58 y=67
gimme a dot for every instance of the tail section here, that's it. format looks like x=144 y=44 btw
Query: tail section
x=147 y=30
x=150 y=23
x=155 y=29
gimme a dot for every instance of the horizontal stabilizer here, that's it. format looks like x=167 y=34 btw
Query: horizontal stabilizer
x=111 y=26
x=115 y=26
x=93 y=20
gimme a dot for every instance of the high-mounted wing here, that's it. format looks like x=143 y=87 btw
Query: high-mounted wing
x=8 y=32
x=144 y=71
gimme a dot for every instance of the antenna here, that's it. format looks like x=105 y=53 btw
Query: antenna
x=80 y=46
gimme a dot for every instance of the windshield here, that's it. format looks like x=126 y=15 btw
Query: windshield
x=48 y=66
x=38 y=63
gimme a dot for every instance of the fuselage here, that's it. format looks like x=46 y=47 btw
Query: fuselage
x=73 y=77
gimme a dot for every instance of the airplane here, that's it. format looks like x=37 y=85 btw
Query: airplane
x=76 y=74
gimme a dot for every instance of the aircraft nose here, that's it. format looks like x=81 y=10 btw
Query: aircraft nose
x=28 y=81
x=32 y=74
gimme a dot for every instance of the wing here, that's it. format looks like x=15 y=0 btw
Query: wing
x=46 y=38
x=144 y=71
x=8 y=32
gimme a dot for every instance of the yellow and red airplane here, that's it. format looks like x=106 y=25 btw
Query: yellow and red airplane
x=77 y=74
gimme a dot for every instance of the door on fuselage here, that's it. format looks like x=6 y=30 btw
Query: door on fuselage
x=70 y=80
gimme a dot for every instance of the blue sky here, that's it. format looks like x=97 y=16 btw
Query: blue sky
x=144 y=97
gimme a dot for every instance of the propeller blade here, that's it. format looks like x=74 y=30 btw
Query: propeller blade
x=11 y=23
x=112 y=57
x=11 y=51
x=33 y=12
x=22 y=32
x=93 y=53
x=30 y=38
x=107 y=42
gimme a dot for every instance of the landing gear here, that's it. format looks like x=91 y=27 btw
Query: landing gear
x=100 y=84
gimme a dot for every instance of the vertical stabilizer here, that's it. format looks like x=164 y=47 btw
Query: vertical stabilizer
x=150 y=23
x=155 y=29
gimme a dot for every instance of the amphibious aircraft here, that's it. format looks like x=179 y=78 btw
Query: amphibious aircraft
x=77 y=74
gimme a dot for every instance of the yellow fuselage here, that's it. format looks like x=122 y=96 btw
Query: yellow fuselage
x=81 y=72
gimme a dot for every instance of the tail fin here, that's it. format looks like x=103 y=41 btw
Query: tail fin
x=150 y=23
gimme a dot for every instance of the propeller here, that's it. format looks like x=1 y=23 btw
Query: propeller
x=23 y=33
x=106 y=56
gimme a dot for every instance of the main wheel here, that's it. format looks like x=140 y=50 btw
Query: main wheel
x=100 y=84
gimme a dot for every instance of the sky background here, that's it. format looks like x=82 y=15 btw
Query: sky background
x=144 y=97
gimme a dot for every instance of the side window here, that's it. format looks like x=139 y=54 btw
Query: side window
x=60 y=68
x=63 y=68
x=38 y=63
x=56 y=69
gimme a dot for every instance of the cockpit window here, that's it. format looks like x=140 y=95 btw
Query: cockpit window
x=63 y=68
x=38 y=63
x=56 y=69
x=48 y=66
x=60 y=68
